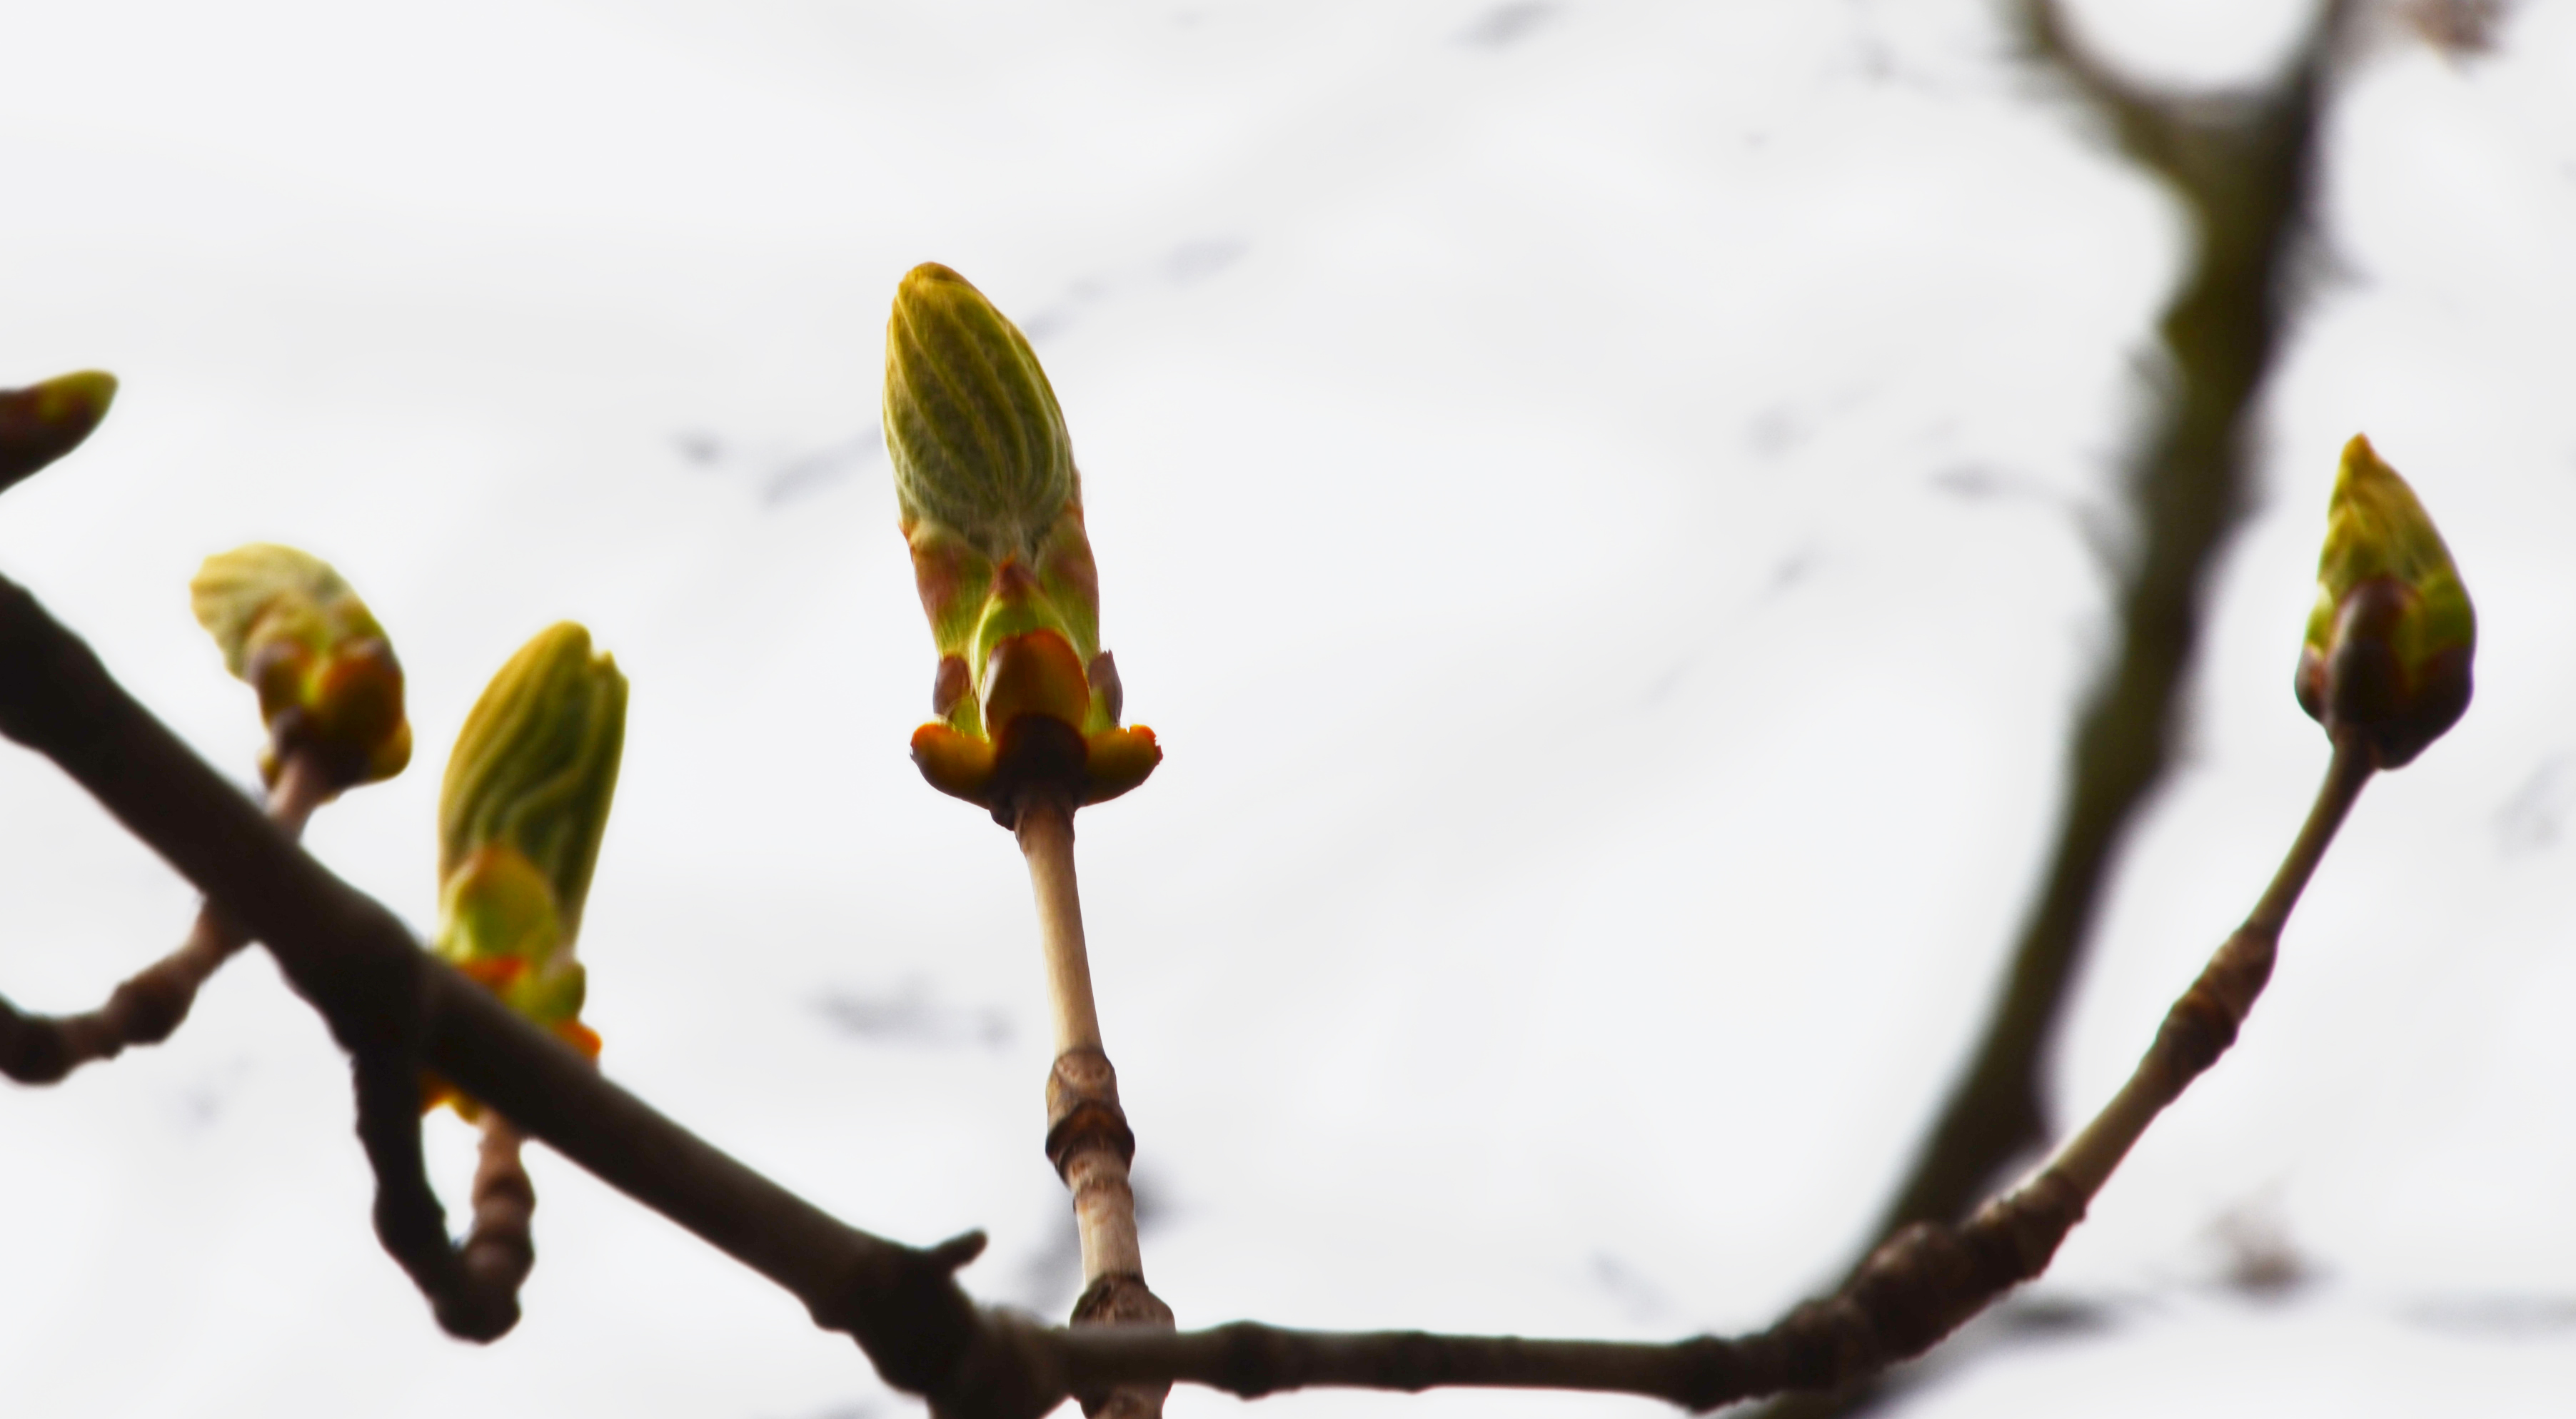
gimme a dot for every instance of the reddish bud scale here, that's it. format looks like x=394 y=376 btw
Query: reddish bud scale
x=2365 y=688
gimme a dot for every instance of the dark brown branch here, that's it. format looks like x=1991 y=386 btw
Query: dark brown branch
x=409 y=1220
x=150 y=1005
x=2244 y=170
x=1914 y=1290
x=385 y=1000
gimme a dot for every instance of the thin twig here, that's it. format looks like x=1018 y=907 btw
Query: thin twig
x=1088 y=1138
x=472 y=1286
x=2244 y=170
x=149 y=1006
x=2204 y=1022
x=383 y=996
x=1913 y=1289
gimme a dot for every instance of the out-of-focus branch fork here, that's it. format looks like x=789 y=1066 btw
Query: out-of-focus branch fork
x=2243 y=165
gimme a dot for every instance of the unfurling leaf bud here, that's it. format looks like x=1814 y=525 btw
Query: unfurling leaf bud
x=520 y=815
x=2389 y=645
x=42 y=422
x=327 y=679
x=992 y=509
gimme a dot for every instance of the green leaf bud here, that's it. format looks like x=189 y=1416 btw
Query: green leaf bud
x=2390 y=642
x=535 y=767
x=991 y=502
x=978 y=442
x=520 y=815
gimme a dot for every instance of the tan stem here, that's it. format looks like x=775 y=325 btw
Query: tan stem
x=1046 y=839
x=1088 y=1139
x=2204 y=1022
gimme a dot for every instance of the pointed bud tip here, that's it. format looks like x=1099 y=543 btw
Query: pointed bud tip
x=930 y=273
x=2388 y=650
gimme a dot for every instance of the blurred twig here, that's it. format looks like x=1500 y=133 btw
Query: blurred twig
x=152 y=1003
x=2243 y=166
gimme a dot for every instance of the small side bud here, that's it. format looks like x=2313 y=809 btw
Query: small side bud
x=42 y=422
x=326 y=675
x=2389 y=646
x=520 y=817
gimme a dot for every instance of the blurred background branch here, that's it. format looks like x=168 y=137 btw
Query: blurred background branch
x=2243 y=165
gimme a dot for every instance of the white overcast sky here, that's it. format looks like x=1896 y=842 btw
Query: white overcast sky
x=1594 y=498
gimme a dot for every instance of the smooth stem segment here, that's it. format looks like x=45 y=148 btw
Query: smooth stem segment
x=2204 y=1022
x=1087 y=1138
x=150 y=1005
x=1046 y=838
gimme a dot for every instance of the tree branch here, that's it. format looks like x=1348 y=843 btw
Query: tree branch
x=384 y=998
x=390 y=1004
x=2243 y=167
x=2244 y=171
